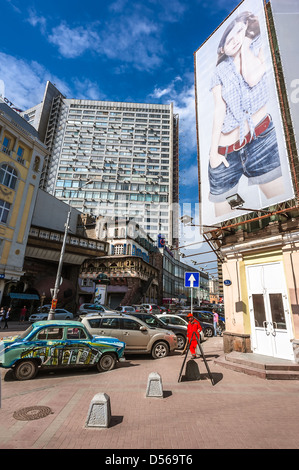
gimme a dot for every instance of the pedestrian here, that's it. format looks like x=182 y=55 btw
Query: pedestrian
x=215 y=321
x=23 y=314
x=193 y=333
x=2 y=314
x=6 y=317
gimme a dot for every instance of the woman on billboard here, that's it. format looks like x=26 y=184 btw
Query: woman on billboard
x=243 y=136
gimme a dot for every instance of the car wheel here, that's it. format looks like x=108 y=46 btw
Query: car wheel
x=209 y=332
x=68 y=318
x=160 y=350
x=181 y=342
x=25 y=370
x=106 y=362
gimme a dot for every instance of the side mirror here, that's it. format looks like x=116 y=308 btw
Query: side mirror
x=143 y=328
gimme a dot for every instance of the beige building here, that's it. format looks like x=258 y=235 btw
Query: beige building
x=261 y=276
x=21 y=160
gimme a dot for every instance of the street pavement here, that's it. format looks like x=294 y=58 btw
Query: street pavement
x=238 y=412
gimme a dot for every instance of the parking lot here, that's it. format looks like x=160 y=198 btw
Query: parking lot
x=238 y=412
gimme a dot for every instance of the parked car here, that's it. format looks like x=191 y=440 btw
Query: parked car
x=207 y=328
x=60 y=314
x=176 y=320
x=207 y=316
x=153 y=320
x=151 y=308
x=138 y=336
x=97 y=308
x=126 y=309
x=58 y=344
x=139 y=308
x=209 y=311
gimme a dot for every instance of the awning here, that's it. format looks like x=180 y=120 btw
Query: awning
x=24 y=296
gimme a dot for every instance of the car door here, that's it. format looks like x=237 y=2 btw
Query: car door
x=78 y=350
x=110 y=326
x=48 y=345
x=135 y=338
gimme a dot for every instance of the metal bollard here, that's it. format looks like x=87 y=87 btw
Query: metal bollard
x=99 y=413
x=154 y=385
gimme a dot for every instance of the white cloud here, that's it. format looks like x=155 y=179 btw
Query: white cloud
x=35 y=20
x=181 y=92
x=88 y=90
x=25 y=83
x=133 y=40
x=73 y=42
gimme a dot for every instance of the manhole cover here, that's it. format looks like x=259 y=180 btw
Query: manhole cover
x=32 y=412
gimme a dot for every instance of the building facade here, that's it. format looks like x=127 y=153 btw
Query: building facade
x=21 y=160
x=128 y=152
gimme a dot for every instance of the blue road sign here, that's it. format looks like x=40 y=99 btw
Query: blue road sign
x=191 y=279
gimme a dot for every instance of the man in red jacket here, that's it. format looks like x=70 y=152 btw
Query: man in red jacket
x=193 y=333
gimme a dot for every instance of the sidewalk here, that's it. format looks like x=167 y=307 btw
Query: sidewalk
x=238 y=412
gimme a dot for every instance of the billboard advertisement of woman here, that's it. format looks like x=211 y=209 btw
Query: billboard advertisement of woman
x=241 y=141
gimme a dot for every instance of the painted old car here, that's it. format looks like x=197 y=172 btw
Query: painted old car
x=58 y=344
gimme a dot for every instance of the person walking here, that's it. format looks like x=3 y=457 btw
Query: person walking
x=215 y=321
x=193 y=333
x=2 y=315
x=6 y=317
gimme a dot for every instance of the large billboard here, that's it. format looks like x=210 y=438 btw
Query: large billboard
x=286 y=20
x=241 y=143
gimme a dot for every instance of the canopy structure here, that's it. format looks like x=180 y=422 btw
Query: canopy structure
x=24 y=296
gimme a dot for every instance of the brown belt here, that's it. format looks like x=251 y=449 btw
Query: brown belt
x=261 y=127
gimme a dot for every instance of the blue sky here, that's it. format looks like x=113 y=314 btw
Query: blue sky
x=122 y=50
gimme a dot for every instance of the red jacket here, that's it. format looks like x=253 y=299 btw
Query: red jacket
x=193 y=327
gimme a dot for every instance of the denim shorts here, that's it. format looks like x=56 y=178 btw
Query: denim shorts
x=258 y=161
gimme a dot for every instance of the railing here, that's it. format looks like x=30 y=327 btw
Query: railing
x=13 y=155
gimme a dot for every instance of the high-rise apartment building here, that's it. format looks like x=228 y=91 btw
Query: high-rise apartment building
x=112 y=158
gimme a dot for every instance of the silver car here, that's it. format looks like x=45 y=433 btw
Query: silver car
x=151 y=308
x=60 y=314
x=139 y=337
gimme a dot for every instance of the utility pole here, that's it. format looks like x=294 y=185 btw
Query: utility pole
x=51 y=315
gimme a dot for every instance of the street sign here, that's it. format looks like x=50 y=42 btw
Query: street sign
x=191 y=279
x=227 y=282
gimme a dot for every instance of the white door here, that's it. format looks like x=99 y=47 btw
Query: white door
x=269 y=311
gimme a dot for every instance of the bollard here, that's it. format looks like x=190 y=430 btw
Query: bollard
x=154 y=385
x=99 y=412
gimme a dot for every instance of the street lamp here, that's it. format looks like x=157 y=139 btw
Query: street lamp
x=51 y=315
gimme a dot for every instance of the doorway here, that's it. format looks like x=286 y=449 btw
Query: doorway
x=269 y=311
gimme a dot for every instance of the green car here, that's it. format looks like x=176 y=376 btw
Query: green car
x=58 y=344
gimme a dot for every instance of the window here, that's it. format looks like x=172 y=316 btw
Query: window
x=4 y=211
x=75 y=333
x=5 y=145
x=110 y=323
x=129 y=324
x=8 y=176
x=20 y=152
x=50 y=333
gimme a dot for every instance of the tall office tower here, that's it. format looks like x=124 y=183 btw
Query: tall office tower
x=111 y=158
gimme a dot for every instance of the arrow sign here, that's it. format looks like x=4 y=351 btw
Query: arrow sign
x=191 y=279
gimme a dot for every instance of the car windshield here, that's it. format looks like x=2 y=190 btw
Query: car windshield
x=26 y=332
